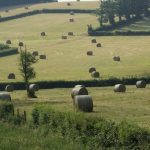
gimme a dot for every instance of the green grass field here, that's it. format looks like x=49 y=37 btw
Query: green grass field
x=132 y=106
x=67 y=59
x=23 y=138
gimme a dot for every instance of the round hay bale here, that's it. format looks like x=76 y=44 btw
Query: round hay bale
x=43 y=34
x=83 y=103
x=119 y=88
x=92 y=69
x=7 y=11
x=71 y=20
x=26 y=7
x=76 y=86
x=20 y=44
x=70 y=33
x=5 y=96
x=33 y=87
x=64 y=37
x=79 y=90
x=99 y=45
x=89 y=53
x=35 y=53
x=8 y=42
x=9 y=88
x=116 y=58
x=11 y=76
x=95 y=74
x=141 y=84
x=42 y=56
x=68 y=4
x=71 y=12
x=93 y=41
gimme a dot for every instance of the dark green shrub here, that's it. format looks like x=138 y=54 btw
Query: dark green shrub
x=9 y=51
x=133 y=137
x=3 y=46
x=6 y=110
x=35 y=117
x=88 y=83
x=17 y=120
x=96 y=133
x=107 y=134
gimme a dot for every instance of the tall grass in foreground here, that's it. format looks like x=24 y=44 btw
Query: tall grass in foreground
x=96 y=133
x=51 y=129
x=23 y=138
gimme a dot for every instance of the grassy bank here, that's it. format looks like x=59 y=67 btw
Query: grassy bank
x=23 y=138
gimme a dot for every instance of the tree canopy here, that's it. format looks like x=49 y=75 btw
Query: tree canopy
x=127 y=9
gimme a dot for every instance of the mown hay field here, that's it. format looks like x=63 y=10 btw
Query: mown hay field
x=67 y=59
x=132 y=106
x=61 y=5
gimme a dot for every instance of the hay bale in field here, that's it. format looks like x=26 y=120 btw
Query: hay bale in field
x=95 y=74
x=11 y=76
x=42 y=56
x=89 y=53
x=33 y=87
x=68 y=4
x=76 y=86
x=43 y=34
x=71 y=20
x=20 y=44
x=93 y=41
x=70 y=33
x=26 y=7
x=64 y=37
x=35 y=53
x=6 y=10
x=119 y=88
x=99 y=45
x=9 y=88
x=71 y=12
x=141 y=84
x=79 y=90
x=8 y=42
x=5 y=96
x=116 y=58
x=83 y=103
x=92 y=69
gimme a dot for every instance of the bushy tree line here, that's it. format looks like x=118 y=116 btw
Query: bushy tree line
x=19 y=2
x=127 y=9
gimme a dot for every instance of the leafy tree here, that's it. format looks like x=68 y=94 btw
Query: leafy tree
x=146 y=5
x=108 y=10
x=26 y=60
x=122 y=8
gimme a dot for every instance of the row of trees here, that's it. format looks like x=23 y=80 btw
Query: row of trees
x=127 y=9
x=20 y=2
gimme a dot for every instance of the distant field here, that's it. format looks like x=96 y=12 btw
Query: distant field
x=142 y=25
x=62 y=5
x=132 y=106
x=67 y=59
